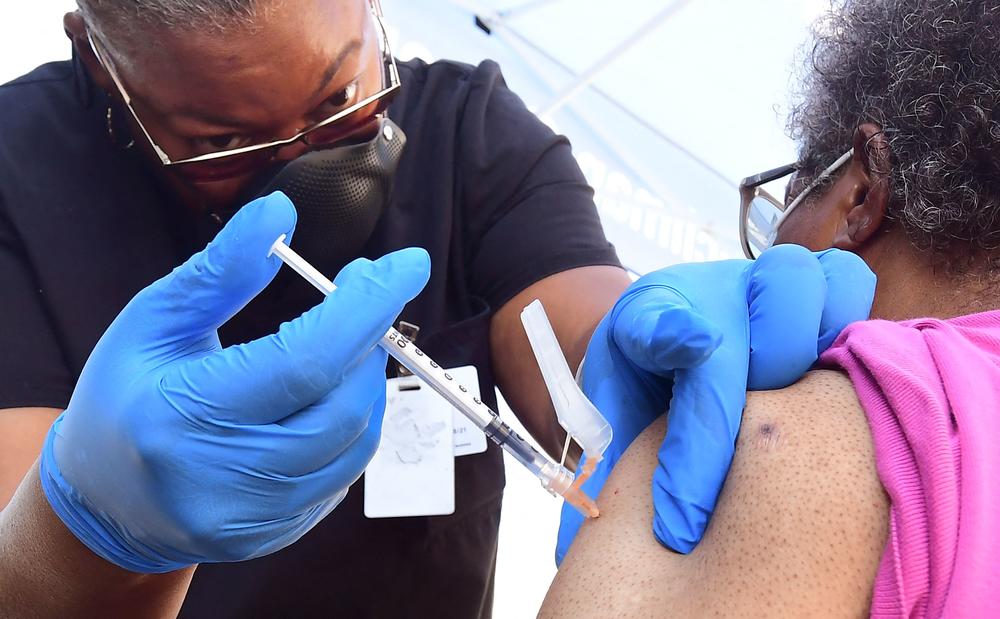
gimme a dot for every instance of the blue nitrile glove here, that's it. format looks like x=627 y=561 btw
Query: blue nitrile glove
x=696 y=337
x=174 y=451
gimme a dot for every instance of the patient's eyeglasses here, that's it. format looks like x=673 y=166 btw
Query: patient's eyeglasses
x=345 y=124
x=761 y=214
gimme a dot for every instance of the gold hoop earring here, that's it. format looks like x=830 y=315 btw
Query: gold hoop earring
x=111 y=131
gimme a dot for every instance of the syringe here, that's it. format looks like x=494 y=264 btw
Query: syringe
x=555 y=478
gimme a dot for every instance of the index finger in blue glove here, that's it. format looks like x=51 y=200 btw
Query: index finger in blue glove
x=704 y=419
x=282 y=373
x=211 y=286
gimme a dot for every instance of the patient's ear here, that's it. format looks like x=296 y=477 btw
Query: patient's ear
x=868 y=196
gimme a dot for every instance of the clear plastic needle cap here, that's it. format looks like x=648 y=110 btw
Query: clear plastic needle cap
x=576 y=414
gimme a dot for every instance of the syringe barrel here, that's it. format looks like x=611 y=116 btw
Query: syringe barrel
x=554 y=478
x=437 y=378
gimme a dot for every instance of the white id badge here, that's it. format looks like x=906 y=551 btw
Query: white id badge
x=413 y=471
x=469 y=439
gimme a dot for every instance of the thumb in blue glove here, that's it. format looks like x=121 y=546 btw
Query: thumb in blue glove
x=174 y=451
x=691 y=337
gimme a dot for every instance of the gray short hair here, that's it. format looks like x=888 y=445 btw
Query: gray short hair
x=130 y=16
x=928 y=73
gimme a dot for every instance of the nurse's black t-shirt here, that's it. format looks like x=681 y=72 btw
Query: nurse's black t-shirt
x=493 y=195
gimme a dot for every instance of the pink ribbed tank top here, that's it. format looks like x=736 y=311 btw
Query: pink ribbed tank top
x=931 y=391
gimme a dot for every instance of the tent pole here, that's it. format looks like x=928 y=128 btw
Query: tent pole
x=588 y=76
x=524 y=8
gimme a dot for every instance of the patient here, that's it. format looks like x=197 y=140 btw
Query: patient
x=872 y=486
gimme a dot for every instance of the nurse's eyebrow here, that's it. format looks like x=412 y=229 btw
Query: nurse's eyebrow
x=352 y=46
x=235 y=124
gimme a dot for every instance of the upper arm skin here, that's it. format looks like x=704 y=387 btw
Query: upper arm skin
x=799 y=528
x=22 y=432
x=575 y=301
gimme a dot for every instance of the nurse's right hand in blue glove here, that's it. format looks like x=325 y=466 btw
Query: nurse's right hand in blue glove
x=696 y=337
x=174 y=451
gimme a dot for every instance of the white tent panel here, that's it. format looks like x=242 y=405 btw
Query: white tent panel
x=667 y=128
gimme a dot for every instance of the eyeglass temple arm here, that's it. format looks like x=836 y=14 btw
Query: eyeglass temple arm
x=768 y=176
x=164 y=159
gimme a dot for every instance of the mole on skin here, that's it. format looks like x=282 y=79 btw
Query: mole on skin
x=767 y=434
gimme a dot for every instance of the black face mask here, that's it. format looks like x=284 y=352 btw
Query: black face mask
x=340 y=194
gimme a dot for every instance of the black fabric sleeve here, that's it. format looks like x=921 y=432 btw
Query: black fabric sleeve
x=33 y=370
x=527 y=201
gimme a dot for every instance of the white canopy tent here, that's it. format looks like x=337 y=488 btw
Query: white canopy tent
x=668 y=104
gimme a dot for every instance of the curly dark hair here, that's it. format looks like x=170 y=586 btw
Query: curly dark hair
x=928 y=73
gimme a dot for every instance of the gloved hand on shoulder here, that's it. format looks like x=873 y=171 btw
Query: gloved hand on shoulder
x=693 y=338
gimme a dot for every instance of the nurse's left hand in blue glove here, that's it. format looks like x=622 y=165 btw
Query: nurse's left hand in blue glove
x=695 y=337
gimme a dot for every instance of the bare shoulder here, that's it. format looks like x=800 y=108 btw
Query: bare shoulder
x=799 y=528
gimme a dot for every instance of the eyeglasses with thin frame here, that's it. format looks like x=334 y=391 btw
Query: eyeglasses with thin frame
x=761 y=214
x=237 y=161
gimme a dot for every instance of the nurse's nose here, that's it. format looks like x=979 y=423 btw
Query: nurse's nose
x=292 y=151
